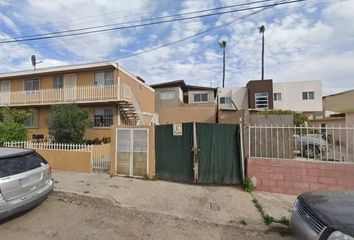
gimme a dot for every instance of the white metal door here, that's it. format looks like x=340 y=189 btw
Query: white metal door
x=5 y=92
x=132 y=151
x=69 y=87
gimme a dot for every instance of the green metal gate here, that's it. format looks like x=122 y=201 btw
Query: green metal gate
x=204 y=153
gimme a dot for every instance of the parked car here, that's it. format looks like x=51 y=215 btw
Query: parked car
x=324 y=215
x=310 y=145
x=25 y=180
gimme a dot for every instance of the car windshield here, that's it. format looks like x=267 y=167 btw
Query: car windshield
x=18 y=164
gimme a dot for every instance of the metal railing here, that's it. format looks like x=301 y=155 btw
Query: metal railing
x=100 y=154
x=289 y=142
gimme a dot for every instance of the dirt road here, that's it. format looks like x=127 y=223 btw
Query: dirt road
x=68 y=217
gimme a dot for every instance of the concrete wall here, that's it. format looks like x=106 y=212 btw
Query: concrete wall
x=238 y=96
x=296 y=177
x=232 y=117
x=188 y=113
x=67 y=160
x=291 y=96
x=340 y=102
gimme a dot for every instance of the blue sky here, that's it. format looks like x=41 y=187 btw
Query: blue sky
x=312 y=40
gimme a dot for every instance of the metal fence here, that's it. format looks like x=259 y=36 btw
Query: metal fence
x=289 y=142
x=100 y=154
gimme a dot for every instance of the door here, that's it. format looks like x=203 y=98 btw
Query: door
x=5 y=93
x=132 y=151
x=69 y=87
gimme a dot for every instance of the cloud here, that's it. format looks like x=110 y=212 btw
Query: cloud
x=308 y=41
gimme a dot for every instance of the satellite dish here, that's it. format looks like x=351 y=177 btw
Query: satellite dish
x=34 y=61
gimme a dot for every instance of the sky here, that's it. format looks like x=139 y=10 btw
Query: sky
x=310 y=40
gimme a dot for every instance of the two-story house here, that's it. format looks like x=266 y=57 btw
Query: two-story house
x=305 y=96
x=110 y=93
x=177 y=102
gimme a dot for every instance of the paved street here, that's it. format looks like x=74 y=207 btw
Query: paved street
x=75 y=217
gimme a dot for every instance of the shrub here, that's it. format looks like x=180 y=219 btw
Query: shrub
x=67 y=123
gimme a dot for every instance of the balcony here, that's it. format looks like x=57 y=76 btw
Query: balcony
x=84 y=94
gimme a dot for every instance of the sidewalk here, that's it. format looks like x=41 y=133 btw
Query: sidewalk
x=212 y=204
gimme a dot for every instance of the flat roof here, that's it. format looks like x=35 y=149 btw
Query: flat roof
x=58 y=69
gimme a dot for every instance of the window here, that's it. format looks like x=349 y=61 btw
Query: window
x=225 y=100
x=261 y=100
x=58 y=82
x=103 y=117
x=200 y=97
x=164 y=95
x=308 y=95
x=277 y=96
x=19 y=164
x=31 y=85
x=103 y=79
x=32 y=122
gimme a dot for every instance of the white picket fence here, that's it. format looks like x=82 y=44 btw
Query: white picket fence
x=100 y=154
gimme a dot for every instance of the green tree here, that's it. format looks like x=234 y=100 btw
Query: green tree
x=262 y=30
x=12 y=124
x=222 y=44
x=67 y=123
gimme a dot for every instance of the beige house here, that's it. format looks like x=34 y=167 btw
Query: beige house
x=339 y=102
x=112 y=95
x=177 y=102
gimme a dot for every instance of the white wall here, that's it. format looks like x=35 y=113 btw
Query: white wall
x=238 y=95
x=291 y=94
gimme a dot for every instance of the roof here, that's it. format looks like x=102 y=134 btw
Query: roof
x=73 y=67
x=340 y=93
x=58 y=69
x=10 y=152
x=181 y=84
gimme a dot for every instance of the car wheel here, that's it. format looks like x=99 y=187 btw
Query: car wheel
x=311 y=151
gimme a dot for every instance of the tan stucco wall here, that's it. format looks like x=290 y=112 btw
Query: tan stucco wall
x=339 y=103
x=144 y=95
x=188 y=113
x=232 y=117
x=113 y=166
x=84 y=77
x=91 y=133
x=67 y=160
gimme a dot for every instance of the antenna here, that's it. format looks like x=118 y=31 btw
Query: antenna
x=34 y=61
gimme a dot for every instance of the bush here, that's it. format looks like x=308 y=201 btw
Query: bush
x=67 y=123
x=299 y=117
x=12 y=124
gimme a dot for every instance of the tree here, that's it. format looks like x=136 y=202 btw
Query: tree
x=67 y=123
x=12 y=124
x=222 y=44
x=262 y=30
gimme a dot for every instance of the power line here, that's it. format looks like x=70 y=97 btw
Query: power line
x=150 y=19
x=203 y=32
x=145 y=24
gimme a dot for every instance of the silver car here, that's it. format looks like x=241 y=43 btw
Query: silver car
x=25 y=180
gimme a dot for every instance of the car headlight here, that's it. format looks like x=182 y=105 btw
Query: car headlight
x=337 y=235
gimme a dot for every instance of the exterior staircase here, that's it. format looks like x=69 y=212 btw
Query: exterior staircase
x=130 y=115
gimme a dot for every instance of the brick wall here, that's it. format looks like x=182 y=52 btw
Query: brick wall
x=295 y=176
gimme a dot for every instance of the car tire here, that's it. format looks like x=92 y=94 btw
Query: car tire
x=311 y=151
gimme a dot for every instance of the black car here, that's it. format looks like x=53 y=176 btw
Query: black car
x=324 y=215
